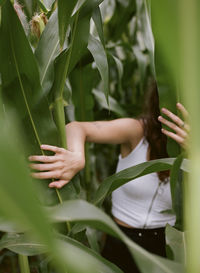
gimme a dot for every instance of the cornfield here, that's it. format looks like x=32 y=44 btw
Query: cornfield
x=89 y=60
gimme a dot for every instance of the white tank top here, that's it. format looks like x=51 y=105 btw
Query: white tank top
x=140 y=202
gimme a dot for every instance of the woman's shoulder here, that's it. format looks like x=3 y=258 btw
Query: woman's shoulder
x=136 y=134
x=135 y=125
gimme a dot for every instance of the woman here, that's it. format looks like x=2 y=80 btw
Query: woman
x=137 y=205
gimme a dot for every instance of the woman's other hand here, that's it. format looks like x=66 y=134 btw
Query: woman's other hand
x=181 y=128
x=63 y=165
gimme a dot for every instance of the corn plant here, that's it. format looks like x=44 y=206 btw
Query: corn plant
x=62 y=61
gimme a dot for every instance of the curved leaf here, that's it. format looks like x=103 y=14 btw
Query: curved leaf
x=113 y=104
x=9 y=226
x=120 y=70
x=97 y=18
x=18 y=195
x=96 y=261
x=176 y=185
x=66 y=61
x=28 y=7
x=89 y=4
x=65 y=9
x=143 y=62
x=113 y=182
x=82 y=80
x=48 y=3
x=98 y=52
x=145 y=27
x=46 y=51
x=167 y=50
x=21 y=87
x=87 y=213
x=78 y=6
x=20 y=244
x=177 y=242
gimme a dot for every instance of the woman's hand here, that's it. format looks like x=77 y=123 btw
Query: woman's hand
x=181 y=128
x=62 y=166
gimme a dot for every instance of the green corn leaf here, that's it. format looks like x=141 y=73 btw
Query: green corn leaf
x=176 y=185
x=177 y=242
x=92 y=236
x=88 y=256
x=96 y=16
x=18 y=194
x=98 y=52
x=9 y=226
x=113 y=104
x=22 y=244
x=115 y=181
x=42 y=6
x=82 y=81
x=65 y=9
x=166 y=34
x=78 y=6
x=120 y=19
x=81 y=211
x=144 y=18
x=120 y=71
x=166 y=42
x=46 y=52
x=143 y=62
x=66 y=61
x=1 y=2
x=29 y=7
x=48 y=3
x=87 y=5
x=21 y=87
x=188 y=32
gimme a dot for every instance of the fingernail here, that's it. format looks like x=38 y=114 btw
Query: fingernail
x=160 y=117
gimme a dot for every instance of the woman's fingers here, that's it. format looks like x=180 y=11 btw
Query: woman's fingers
x=51 y=148
x=174 y=136
x=48 y=175
x=173 y=117
x=58 y=184
x=183 y=111
x=173 y=126
x=45 y=167
x=43 y=158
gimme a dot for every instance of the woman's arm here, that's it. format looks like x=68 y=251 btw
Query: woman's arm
x=181 y=128
x=66 y=163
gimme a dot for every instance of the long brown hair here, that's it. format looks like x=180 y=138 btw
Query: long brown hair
x=152 y=127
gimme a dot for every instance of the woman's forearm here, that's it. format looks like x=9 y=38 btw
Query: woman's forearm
x=76 y=137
